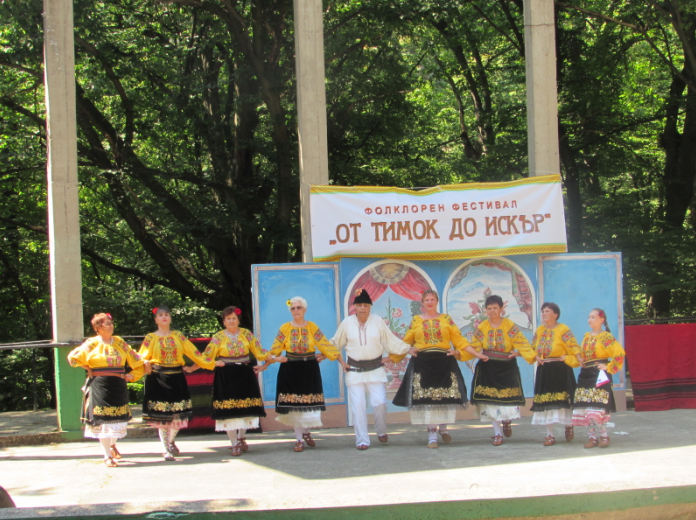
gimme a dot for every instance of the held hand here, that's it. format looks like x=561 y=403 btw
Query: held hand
x=191 y=369
x=148 y=367
x=281 y=359
x=346 y=366
x=513 y=354
x=483 y=357
x=128 y=377
x=602 y=366
x=562 y=358
x=219 y=363
x=386 y=360
x=413 y=351
x=260 y=368
x=539 y=360
x=320 y=358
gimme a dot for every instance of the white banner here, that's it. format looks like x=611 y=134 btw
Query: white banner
x=444 y=222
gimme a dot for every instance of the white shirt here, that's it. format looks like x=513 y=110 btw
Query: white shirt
x=368 y=343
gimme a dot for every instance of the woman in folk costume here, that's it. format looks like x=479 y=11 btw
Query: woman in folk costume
x=237 y=402
x=554 y=384
x=497 y=387
x=299 y=391
x=167 y=402
x=105 y=410
x=433 y=388
x=600 y=355
x=365 y=338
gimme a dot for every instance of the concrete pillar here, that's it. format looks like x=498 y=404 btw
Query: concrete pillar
x=311 y=108
x=542 y=98
x=63 y=202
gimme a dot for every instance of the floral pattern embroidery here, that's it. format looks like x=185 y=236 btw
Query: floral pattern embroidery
x=111 y=411
x=514 y=331
x=591 y=395
x=545 y=344
x=496 y=340
x=227 y=404
x=299 y=341
x=498 y=393
x=435 y=393
x=301 y=399
x=569 y=339
x=163 y=406
x=432 y=335
x=552 y=397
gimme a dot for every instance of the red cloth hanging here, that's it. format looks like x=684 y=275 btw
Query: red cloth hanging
x=410 y=287
x=662 y=365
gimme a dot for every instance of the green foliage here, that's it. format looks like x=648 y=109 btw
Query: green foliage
x=187 y=141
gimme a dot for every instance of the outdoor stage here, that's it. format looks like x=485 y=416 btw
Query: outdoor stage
x=650 y=465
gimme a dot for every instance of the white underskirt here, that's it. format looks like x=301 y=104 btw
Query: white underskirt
x=437 y=416
x=301 y=419
x=560 y=416
x=106 y=431
x=238 y=423
x=491 y=412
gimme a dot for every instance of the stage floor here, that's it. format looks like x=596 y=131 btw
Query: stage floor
x=649 y=450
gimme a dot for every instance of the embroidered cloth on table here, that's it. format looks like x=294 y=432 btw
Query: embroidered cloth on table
x=294 y=356
x=364 y=365
x=495 y=354
x=242 y=360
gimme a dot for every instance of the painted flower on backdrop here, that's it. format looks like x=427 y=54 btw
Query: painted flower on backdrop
x=397 y=313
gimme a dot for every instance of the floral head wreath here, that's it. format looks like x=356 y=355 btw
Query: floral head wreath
x=237 y=311
x=601 y=314
x=154 y=311
x=109 y=316
x=288 y=303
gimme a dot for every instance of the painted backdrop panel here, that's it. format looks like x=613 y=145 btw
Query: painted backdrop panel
x=273 y=285
x=577 y=283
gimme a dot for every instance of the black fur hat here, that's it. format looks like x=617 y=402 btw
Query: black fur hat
x=361 y=296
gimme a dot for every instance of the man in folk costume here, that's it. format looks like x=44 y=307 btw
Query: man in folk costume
x=365 y=337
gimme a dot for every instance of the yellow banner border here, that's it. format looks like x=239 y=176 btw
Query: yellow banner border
x=458 y=255
x=541 y=179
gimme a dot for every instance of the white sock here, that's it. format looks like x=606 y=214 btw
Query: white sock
x=432 y=433
x=443 y=428
x=549 y=430
x=106 y=444
x=497 y=428
x=305 y=430
x=298 y=433
x=164 y=438
x=241 y=433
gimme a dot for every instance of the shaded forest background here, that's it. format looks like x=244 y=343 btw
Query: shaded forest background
x=188 y=143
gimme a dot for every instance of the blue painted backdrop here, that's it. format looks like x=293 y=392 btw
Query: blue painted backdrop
x=577 y=283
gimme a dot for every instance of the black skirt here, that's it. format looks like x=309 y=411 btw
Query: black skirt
x=554 y=387
x=236 y=393
x=432 y=380
x=587 y=395
x=105 y=401
x=299 y=387
x=167 y=396
x=497 y=382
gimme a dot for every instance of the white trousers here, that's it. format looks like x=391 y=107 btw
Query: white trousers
x=358 y=407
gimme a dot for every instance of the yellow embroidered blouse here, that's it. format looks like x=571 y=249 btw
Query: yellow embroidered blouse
x=506 y=338
x=169 y=350
x=94 y=353
x=556 y=342
x=303 y=340
x=602 y=346
x=440 y=332
x=221 y=345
